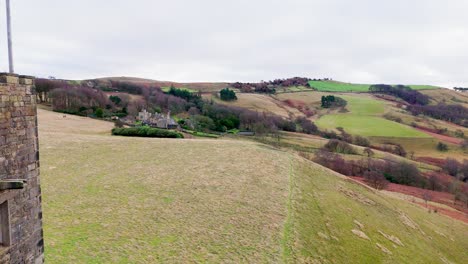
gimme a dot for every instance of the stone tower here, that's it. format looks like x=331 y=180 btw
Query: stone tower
x=21 y=237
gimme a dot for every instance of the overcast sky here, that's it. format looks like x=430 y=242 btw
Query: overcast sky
x=363 y=41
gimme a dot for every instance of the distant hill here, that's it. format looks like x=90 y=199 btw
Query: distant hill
x=336 y=86
x=204 y=87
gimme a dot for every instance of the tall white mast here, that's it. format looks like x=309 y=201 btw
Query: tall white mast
x=10 y=46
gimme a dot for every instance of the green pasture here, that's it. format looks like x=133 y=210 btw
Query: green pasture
x=167 y=88
x=364 y=119
x=334 y=86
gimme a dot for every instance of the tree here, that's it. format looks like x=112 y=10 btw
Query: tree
x=227 y=95
x=115 y=99
x=456 y=189
x=399 y=150
x=464 y=145
x=375 y=179
x=442 y=147
x=306 y=125
x=451 y=166
x=464 y=171
x=427 y=196
x=99 y=113
x=369 y=152
x=338 y=146
x=361 y=141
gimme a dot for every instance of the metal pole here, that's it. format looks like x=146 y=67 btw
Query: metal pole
x=10 y=46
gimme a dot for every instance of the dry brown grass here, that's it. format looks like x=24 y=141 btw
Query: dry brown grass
x=447 y=95
x=264 y=103
x=134 y=200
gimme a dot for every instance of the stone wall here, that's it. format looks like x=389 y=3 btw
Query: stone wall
x=19 y=159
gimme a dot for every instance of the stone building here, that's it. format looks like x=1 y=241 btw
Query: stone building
x=157 y=120
x=21 y=236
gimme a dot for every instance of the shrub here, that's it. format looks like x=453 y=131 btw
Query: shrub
x=375 y=179
x=361 y=141
x=451 y=166
x=99 y=113
x=392 y=118
x=339 y=146
x=331 y=101
x=402 y=172
x=307 y=126
x=442 y=147
x=459 y=133
x=369 y=152
x=146 y=132
x=227 y=95
x=464 y=144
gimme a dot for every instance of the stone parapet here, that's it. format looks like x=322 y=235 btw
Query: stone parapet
x=19 y=159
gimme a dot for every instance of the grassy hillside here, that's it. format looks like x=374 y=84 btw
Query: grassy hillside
x=204 y=87
x=135 y=200
x=259 y=102
x=335 y=86
x=365 y=119
x=333 y=220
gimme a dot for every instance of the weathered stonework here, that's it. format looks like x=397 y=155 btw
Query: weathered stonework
x=19 y=159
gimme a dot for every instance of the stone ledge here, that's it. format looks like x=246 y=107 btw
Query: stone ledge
x=9 y=78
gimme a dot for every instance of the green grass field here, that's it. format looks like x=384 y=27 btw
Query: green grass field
x=332 y=220
x=365 y=119
x=368 y=126
x=167 y=88
x=109 y=199
x=334 y=86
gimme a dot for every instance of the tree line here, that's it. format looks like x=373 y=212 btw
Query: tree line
x=457 y=114
x=409 y=95
x=270 y=87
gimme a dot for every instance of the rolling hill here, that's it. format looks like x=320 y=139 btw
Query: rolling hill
x=117 y=200
x=336 y=86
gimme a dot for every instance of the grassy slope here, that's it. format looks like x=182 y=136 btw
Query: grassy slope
x=259 y=102
x=132 y=200
x=448 y=96
x=198 y=86
x=324 y=208
x=364 y=119
x=334 y=86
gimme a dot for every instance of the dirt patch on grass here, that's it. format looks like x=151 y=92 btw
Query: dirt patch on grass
x=384 y=249
x=360 y=234
x=406 y=220
x=356 y=196
x=361 y=226
x=394 y=239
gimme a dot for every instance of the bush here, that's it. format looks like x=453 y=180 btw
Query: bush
x=99 y=113
x=442 y=147
x=451 y=166
x=146 y=132
x=339 y=146
x=402 y=172
x=361 y=141
x=331 y=101
x=375 y=179
x=227 y=95
x=307 y=126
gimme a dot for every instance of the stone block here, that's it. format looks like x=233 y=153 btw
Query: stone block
x=9 y=79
